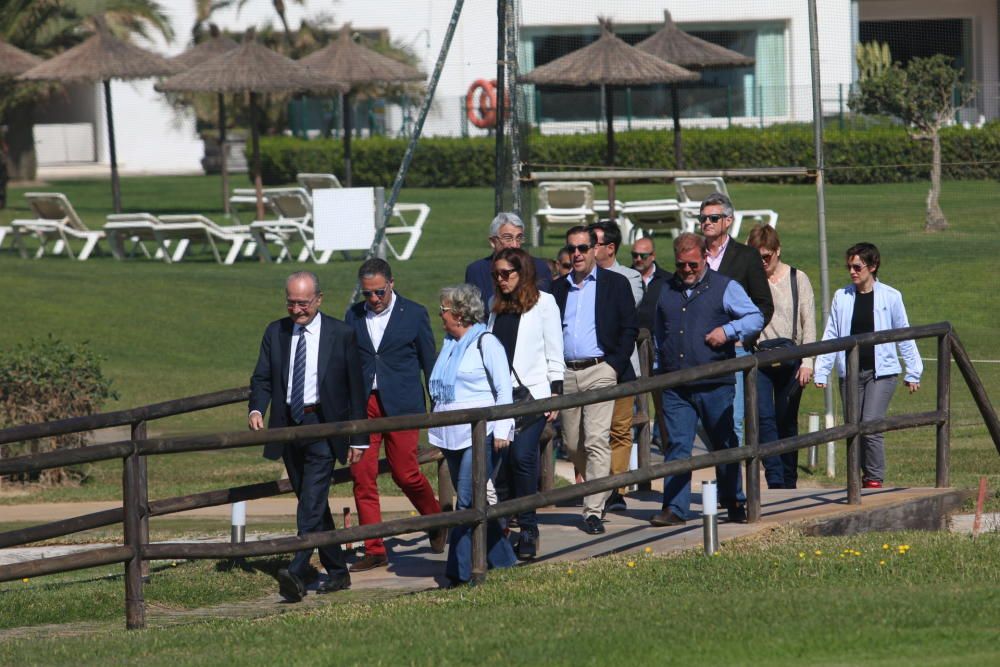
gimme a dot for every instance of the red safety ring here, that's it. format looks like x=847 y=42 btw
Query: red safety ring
x=481 y=103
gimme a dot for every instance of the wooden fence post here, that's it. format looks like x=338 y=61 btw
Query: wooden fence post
x=480 y=474
x=852 y=415
x=944 y=405
x=135 y=506
x=139 y=433
x=751 y=439
x=645 y=431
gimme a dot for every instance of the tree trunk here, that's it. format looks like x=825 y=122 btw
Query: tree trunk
x=935 y=221
x=21 y=158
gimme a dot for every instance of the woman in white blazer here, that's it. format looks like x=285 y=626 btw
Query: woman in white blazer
x=867 y=305
x=527 y=323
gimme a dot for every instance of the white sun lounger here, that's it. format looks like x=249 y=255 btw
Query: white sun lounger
x=56 y=222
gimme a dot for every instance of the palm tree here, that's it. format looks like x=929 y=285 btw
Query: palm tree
x=279 y=8
x=48 y=27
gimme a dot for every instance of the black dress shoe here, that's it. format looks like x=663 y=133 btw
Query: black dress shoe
x=527 y=545
x=291 y=587
x=615 y=503
x=592 y=525
x=370 y=562
x=736 y=512
x=439 y=539
x=337 y=582
x=666 y=518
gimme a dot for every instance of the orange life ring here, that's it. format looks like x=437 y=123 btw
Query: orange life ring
x=481 y=103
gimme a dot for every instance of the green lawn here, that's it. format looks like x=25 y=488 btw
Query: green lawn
x=171 y=331
x=878 y=599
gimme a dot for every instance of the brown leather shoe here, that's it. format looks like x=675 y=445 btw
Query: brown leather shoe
x=666 y=518
x=370 y=562
x=438 y=538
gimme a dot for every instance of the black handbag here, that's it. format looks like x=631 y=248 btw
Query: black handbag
x=519 y=394
x=779 y=343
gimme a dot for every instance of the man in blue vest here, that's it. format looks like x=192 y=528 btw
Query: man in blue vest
x=700 y=316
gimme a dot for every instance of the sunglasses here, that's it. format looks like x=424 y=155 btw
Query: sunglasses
x=856 y=267
x=714 y=217
x=445 y=309
x=368 y=293
x=503 y=274
x=766 y=256
x=583 y=248
x=692 y=266
x=641 y=255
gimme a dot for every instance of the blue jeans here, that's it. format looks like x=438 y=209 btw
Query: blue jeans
x=682 y=408
x=519 y=470
x=778 y=396
x=739 y=407
x=499 y=553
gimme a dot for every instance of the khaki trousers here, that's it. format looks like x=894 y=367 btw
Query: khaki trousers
x=621 y=437
x=586 y=430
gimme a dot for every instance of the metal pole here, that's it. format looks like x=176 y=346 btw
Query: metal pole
x=824 y=268
x=751 y=438
x=813 y=451
x=852 y=410
x=515 y=108
x=480 y=474
x=498 y=157
x=944 y=405
x=116 y=190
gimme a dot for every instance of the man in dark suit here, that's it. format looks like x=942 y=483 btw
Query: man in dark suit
x=741 y=263
x=653 y=276
x=396 y=343
x=599 y=332
x=506 y=231
x=309 y=372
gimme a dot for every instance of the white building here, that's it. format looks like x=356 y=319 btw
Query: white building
x=154 y=138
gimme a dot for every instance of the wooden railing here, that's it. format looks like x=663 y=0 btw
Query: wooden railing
x=136 y=506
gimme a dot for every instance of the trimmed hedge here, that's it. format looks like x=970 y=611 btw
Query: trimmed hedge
x=872 y=155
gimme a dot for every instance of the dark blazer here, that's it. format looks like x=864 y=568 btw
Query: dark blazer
x=617 y=324
x=742 y=264
x=407 y=347
x=647 y=307
x=479 y=274
x=341 y=387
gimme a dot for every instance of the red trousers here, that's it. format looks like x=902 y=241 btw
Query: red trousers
x=401 y=452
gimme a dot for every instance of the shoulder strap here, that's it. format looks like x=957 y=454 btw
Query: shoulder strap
x=795 y=305
x=489 y=378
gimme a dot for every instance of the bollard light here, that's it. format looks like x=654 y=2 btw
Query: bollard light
x=238 y=533
x=710 y=516
x=831 y=451
x=814 y=450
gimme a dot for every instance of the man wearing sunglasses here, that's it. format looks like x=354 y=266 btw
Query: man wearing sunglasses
x=396 y=344
x=506 y=231
x=599 y=331
x=653 y=276
x=741 y=263
x=699 y=317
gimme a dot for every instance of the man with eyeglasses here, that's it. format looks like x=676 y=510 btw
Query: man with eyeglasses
x=741 y=263
x=309 y=372
x=599 y=331
x=564 y=263
x=699 y=317
x=396 y=344
x=506 y=231
x=609 y=240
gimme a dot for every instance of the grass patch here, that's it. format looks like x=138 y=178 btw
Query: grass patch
x=781 y=599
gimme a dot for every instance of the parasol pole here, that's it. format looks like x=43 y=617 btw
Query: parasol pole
x=116 y=191
x=609 y=110
x=255 y=134
x=675 y=109
x=223 y=154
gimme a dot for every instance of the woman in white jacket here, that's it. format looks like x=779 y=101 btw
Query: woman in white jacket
x=527 y=323
x=864 y=306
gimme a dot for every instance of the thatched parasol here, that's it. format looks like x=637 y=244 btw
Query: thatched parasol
x=250 y=68
x=355 y=65
x=14 y=61
x=678 y=47
x=608 y=62
x=103 y=57
x=215 y=45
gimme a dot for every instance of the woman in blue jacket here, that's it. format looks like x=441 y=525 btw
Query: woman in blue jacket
x=864 y=306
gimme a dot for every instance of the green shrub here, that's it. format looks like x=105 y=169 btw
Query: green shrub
x=878 y=154
x=45 y=380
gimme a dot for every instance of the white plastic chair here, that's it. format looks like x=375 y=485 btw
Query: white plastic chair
x=139 y=229
x=57 y=222
x=563 y=204
x=651 y=216
x=293 y=206
x=4 y=231
x=317 y=181
x=762 y=216
x=399 y=224
x=690 y=192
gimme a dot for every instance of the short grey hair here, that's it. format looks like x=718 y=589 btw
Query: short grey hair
x=298 y=275
x=505 y=218
x=718 y=199
x=466 y=303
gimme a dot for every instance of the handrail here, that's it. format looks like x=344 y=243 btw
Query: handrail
x=136 y=506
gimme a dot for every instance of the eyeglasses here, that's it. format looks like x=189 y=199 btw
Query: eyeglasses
x=368 y=293
x=582 y=248
x=445 y=309
x=641 y=255
x=712 y=217
x=567 y=265
x=856 y=267
x=692 y=266
x=766 y=256
x=511 y=238
x=291 y=303
x=503 y=274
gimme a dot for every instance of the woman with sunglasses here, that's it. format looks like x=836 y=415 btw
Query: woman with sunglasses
x=470 y=372
x=864 y=306
x=779 y=387
x=527 y=323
